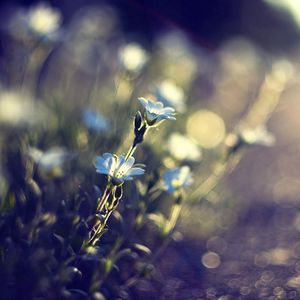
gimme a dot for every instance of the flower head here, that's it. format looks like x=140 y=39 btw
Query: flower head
x=40 y=21
x=183 y=148
x=256 y=136
x=51 y=162
x=94 y=120
x=177 y=178
x=170 y=94
x=19 y=110
x=43 y=19
x=117 y=168
x=133 y=57
x=155 y=112
x=246 y=136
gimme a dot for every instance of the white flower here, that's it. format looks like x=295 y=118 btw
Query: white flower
x=19 y=110
x=43 y=19
x=94 y=120
x=177 y=178
x=50 y=163
x=133 y=57
x=117 y=168
x=257 y=136
x=155 y=112
x=183 y=148
x=170 y=94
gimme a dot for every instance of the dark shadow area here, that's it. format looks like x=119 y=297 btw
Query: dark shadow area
x=208 y=23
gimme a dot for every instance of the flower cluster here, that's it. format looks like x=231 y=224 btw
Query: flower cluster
x=120 y=168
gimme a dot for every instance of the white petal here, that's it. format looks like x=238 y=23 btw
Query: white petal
x=110 y=165
x=120 y=161
x=157 y=106
x=99 y=166
x=143 y=101
x=165 y=117
x=150 y=104
x=135 y=171
x=100 y=160
x=168 y=110
x=101 y=170
x=123 y=169
x=127 y=178
x=106 y=155
x=130 y=161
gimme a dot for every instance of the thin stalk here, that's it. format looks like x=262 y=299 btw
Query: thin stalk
x=98 y=232
x=130 y=151
x=104 y=198
x=134 y=146
x=174 y=216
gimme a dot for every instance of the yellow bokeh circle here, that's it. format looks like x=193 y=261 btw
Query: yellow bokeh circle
x=206 y=128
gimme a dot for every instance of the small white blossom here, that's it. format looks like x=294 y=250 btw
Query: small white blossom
x=43 y=19
x=133 y=57
x=170 y=94
x=183 y=148
x=94 y=120
x=177 y=178
x=19 y=110
x=155 y=112
x=257 y=136
x=50 y=163
x=117 y=168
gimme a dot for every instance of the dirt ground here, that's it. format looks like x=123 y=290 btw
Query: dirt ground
x=258 y=259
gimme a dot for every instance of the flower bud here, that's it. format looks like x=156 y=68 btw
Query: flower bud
x=139 y=134
x=138 y=121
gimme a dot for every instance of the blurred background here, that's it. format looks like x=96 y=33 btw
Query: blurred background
x=214 y=60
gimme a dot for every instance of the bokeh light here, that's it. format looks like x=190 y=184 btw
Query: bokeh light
x=207 y=128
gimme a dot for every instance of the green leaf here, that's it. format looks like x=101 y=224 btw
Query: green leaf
x=142 y=248
x=158 y=219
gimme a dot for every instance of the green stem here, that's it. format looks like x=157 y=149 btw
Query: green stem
x=174 y=215
x=134 y=146
x=99 y=231
x=106 y=194
x=130 y=151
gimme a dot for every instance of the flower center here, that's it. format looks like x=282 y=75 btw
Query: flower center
x=176 y=183
x=119 y=174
